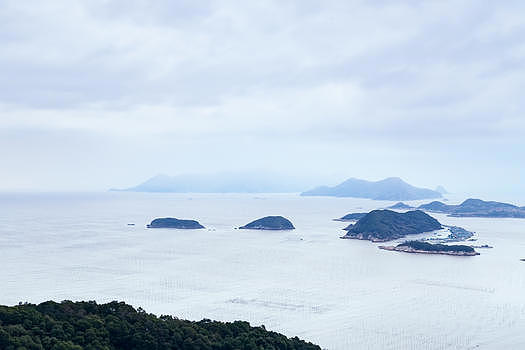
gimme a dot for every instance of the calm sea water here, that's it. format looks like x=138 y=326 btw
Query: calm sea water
x=341 y=294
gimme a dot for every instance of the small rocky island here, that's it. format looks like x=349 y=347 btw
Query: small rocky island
x=428 y=248
x=269 y=223
x=400 y=205
x=387 y=225
x=351 y=217
x=437 y=207
x=175 y=223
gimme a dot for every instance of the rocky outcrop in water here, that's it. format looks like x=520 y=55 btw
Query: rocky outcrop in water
x=386 y=225
x=427 y=248
x=269 y=223
x=175 y=223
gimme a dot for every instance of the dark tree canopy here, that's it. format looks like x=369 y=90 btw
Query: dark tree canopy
x=117 y=326
x=175 y=223
x=425 y=246
x=269 y=223
x=384 y=225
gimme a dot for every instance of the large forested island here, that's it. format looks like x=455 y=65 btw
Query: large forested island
x=175 y=223
x=476 y=208
x=117 y=326
x=269 y=223
x=392 y=188
x=400 y=205
x=386 y=225
x=428 y=248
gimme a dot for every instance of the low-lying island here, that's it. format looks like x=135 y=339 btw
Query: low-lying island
x=428 y=248
x=175 y=223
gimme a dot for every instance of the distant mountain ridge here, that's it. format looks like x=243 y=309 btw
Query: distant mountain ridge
x=352 y=217
x=476 y=208
x=392 y=188
x=218 y=183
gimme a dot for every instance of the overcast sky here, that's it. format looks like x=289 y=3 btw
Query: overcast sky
x=98 y=94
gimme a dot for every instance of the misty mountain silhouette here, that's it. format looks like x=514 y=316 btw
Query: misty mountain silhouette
x=219 y=183
x=392 y=188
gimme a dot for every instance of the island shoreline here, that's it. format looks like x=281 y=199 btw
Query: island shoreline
x=419 y=251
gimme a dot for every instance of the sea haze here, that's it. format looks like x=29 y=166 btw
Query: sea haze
x=340 y=294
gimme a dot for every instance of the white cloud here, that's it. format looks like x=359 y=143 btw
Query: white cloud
x=370 y=80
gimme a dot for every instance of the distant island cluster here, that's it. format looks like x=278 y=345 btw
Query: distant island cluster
x=387 y=225
x=477 y=208
x=382 y=225
x=376 y=226
x=470 y=208
x=392 y=188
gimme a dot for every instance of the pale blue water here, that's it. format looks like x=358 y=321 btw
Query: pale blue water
x=340 y=294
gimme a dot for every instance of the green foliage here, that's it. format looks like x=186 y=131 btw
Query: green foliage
x=114 y=326
x=388 y=224
x=270 y=223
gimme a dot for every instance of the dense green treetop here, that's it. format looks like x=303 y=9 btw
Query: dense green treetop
x=425 y=246
x=384 y=225
x=175 y=223
x=117 y=326
x=269 y=223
